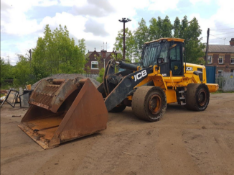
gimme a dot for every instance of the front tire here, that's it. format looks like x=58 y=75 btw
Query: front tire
x=197 y=97
x=149 y=103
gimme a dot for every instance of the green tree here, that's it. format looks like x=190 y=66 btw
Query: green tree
x=154 y=32
x=88 y=70
x=141 y=36
x=166 y=28
x=129 y=44
x=159 y=25
x=184 y=27
x=6 y=71
x=22 y=71
x=100 y=76
x=159 y=28
x=176 y=28
x=56 y=52
x=193 y=45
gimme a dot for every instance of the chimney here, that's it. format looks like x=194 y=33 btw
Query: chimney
x=232 y=42
x=103 y=53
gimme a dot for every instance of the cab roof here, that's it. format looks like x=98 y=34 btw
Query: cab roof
x=168 y=39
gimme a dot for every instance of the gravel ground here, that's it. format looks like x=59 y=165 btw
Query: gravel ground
x=183 y=142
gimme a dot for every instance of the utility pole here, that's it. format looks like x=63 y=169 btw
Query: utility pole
x=124 y=20
x=30 y=56
x=207 y=44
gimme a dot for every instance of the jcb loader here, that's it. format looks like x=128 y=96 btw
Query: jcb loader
x=162 y=77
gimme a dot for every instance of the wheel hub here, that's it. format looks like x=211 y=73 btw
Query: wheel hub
x=155 y=104
x=202 y=97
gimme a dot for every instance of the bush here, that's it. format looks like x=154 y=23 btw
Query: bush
x=100 y=76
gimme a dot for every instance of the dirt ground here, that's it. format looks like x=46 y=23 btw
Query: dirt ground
x=182 y=142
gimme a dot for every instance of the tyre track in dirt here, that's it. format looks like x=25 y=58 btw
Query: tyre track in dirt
x=182 y=142
x=211 y=150
x=105 y=155
x=122 y=153
x=173 y=155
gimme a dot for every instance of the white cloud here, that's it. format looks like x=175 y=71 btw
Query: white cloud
x=225 y=12
x=15 y=22
x=46 y=3
x=199 y=1
x=9 y=56
x=222 y=19
x=70 y=3
x=163 y=5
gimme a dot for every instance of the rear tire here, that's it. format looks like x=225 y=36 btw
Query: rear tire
x=197 y=97
x=149 y=103
x=119 y=108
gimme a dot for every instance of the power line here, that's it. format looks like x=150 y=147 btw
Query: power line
x=224 y=33
x=222 y=29
x=216 y=37
x=218 y=34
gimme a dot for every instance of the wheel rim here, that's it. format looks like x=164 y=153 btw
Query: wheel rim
x=155 y=104
x=201 y=98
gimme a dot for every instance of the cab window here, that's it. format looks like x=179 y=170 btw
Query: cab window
x=175 y=53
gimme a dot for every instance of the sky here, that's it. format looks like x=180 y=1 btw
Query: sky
x=22 y=22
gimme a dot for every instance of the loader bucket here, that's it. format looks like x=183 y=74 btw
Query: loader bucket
x=64 y=110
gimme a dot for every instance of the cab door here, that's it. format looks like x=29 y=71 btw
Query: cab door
x=175 y=59
x=163 y=60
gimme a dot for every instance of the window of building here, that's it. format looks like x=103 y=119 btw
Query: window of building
x=232 y=60
x=209 y=59
x=94 y=65
x=220 y=72
x=232 y=73
x=220 y=60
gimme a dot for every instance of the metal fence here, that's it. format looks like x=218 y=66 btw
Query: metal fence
x=94 y=76
x=225 y=81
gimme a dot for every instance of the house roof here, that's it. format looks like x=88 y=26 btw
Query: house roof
x=221 y=49
x=99 y=53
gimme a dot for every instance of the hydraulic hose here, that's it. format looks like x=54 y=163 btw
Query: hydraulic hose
x=127 y=66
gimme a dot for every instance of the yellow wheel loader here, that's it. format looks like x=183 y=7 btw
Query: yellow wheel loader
x=162 y=77
x=63 y=110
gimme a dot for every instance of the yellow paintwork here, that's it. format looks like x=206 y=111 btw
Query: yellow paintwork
x=168 y=39
x=169 y=84
x=171 y=95
x=212 y=87
x=130 y=97
x=189 y=73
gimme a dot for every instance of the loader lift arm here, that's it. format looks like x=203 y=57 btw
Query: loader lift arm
x=119 y=86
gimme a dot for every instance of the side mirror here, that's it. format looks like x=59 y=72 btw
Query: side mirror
x=160 y=60
x=197 y=72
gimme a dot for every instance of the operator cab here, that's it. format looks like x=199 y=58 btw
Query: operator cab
x=167 y=53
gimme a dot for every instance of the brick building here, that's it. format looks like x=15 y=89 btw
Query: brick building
x=98 y=60
x=221 y=56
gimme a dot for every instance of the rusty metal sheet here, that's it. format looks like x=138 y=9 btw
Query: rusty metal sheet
x=82 y=113
x=50 y=94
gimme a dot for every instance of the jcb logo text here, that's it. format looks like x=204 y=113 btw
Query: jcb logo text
x=140 y=75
